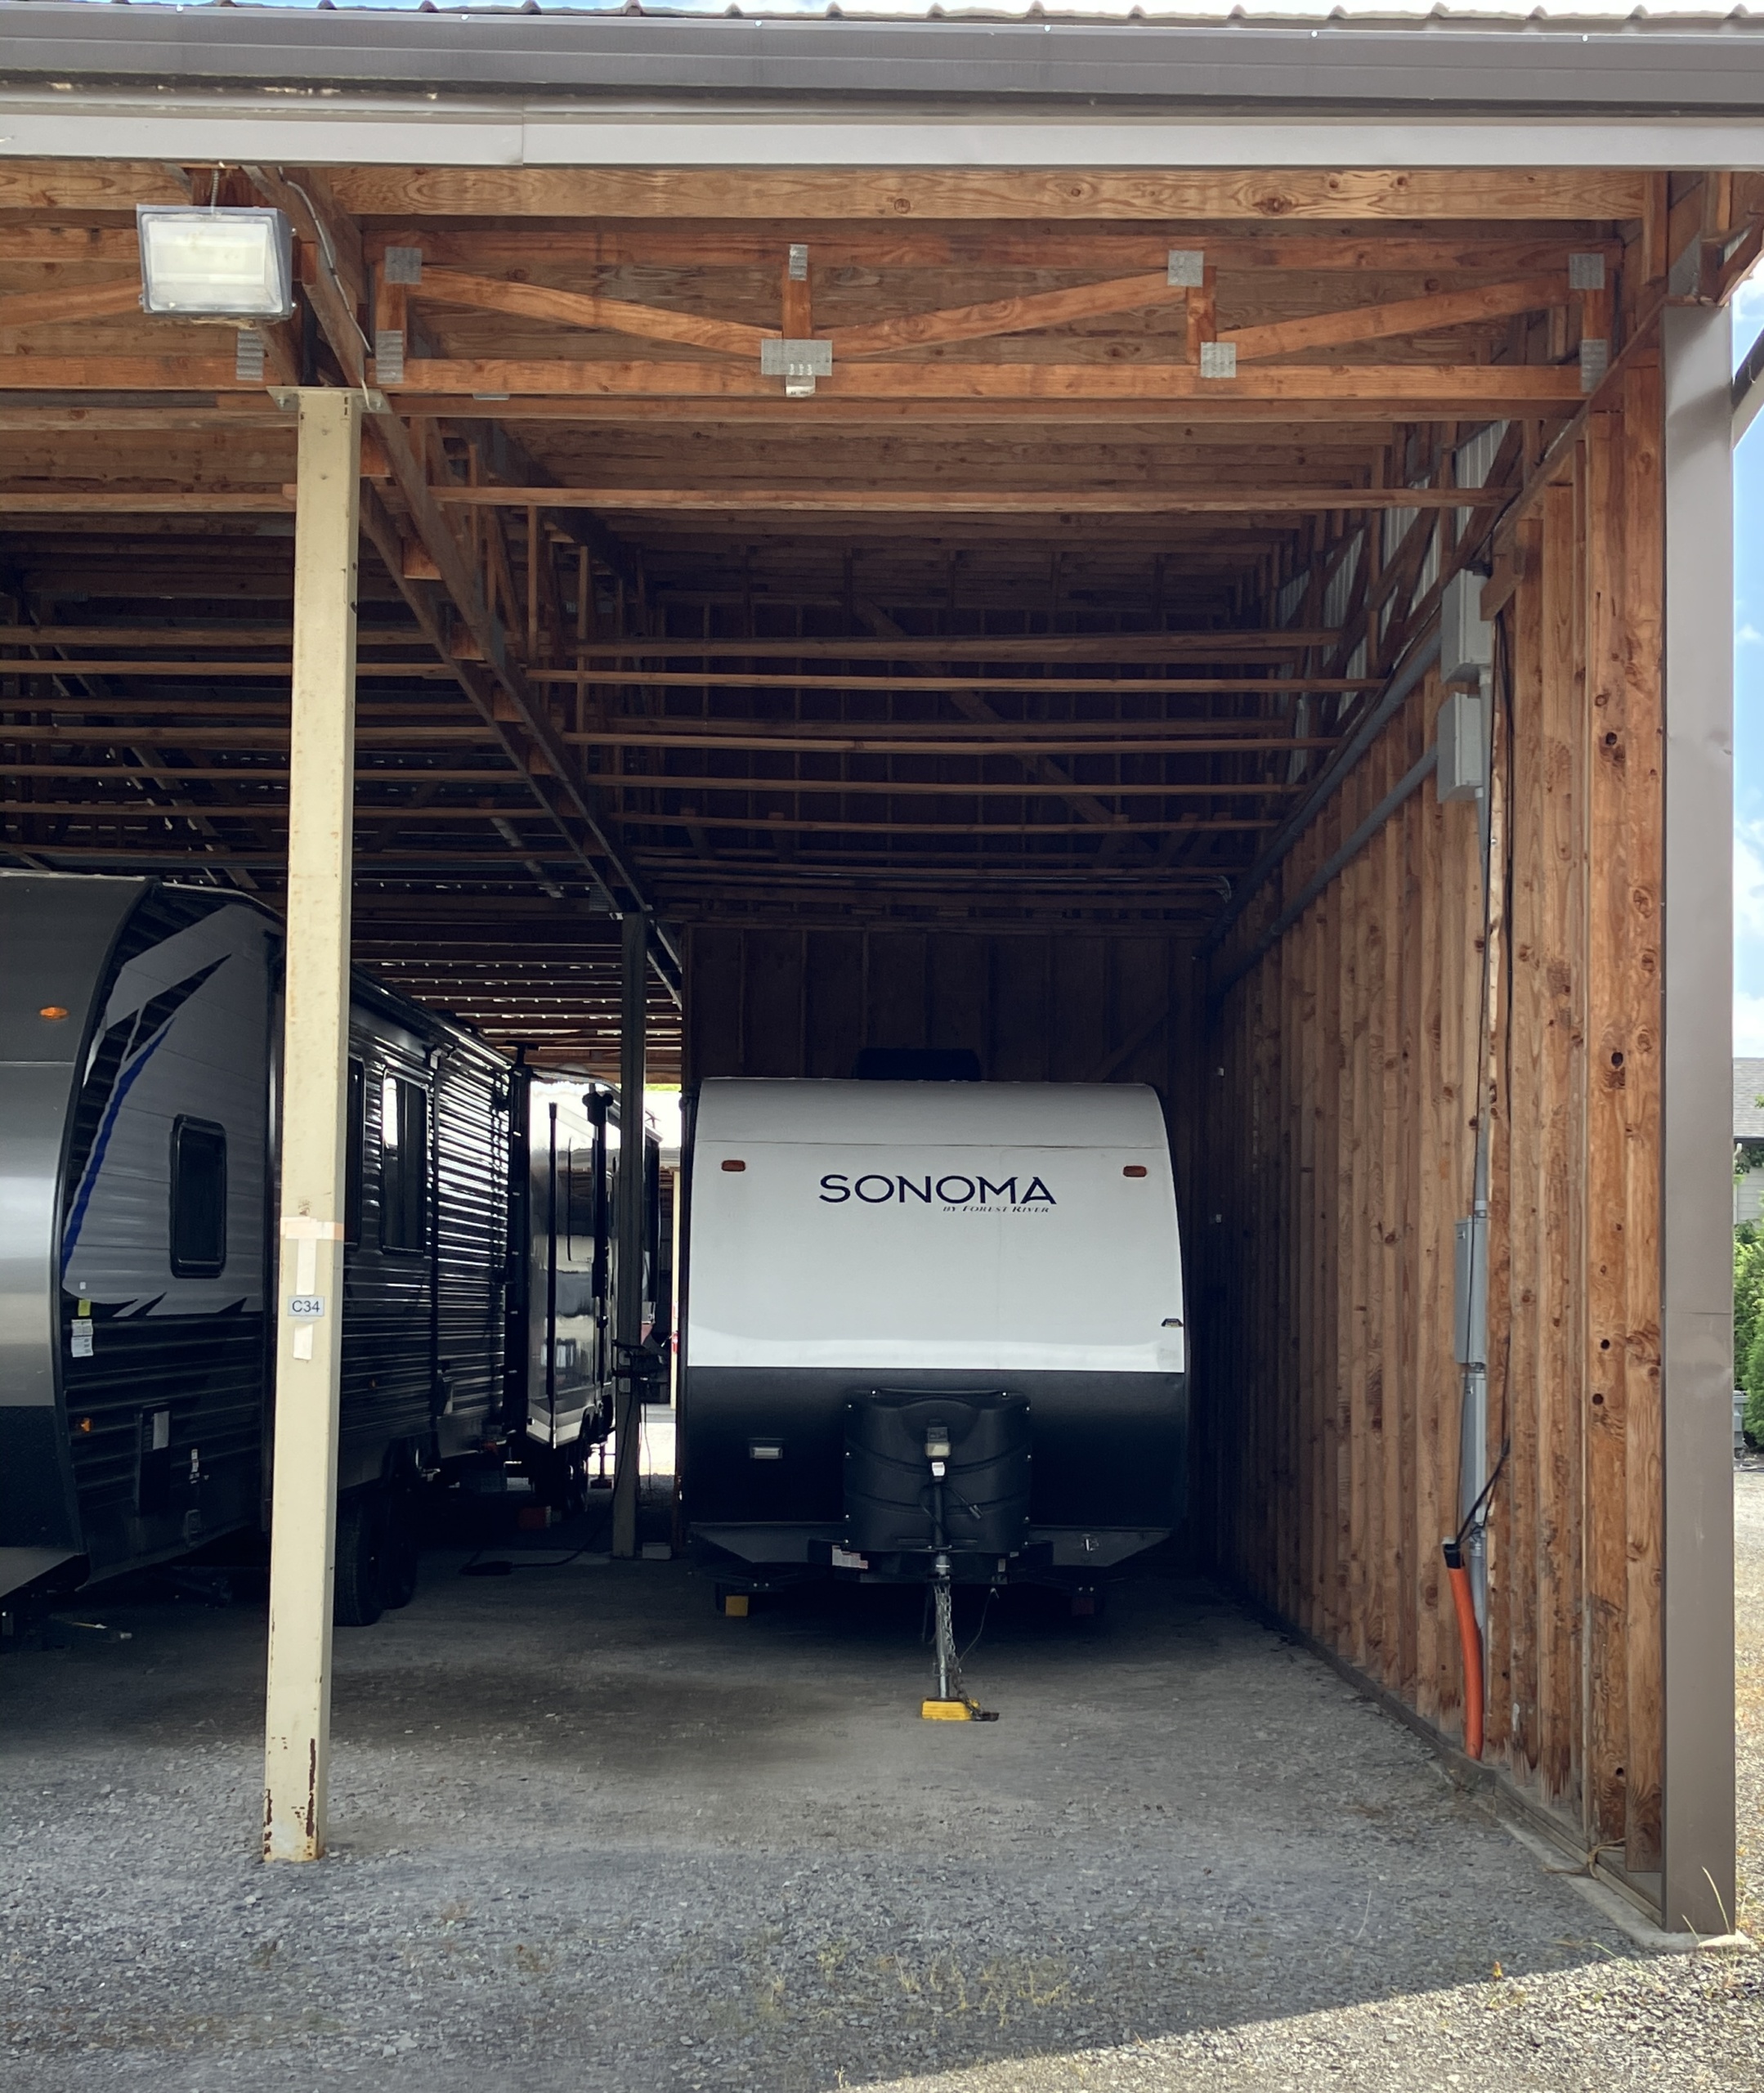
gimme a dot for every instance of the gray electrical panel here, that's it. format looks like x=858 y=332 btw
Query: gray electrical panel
x=1469 y=1294
x=1467 y=639
x=1460 y=734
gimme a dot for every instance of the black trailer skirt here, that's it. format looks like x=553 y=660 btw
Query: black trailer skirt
x=762 y=1453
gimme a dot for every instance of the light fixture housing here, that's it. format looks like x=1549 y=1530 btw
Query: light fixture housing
x=230 y=263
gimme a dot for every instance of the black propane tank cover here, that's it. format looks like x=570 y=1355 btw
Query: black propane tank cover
x=887 y=1474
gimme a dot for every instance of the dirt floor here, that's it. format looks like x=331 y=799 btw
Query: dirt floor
x=587 y=1834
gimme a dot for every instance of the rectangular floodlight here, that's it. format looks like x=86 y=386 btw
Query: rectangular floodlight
x=226 y=264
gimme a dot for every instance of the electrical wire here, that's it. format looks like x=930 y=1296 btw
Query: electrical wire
x=328 y=255
x=1476 y=1520
x=991 y=1593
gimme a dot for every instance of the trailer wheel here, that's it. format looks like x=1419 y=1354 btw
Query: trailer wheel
x=358 y=1599
x=399 y=1549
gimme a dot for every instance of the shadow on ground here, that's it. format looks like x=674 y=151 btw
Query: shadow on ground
x=588 y=1833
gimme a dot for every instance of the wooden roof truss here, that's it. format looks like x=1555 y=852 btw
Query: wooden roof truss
x=1035 y=591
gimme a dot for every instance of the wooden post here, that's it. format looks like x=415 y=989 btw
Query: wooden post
x=628 y=1315
x=314 y=1092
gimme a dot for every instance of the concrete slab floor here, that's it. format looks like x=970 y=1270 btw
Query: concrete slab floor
x=588 y=1834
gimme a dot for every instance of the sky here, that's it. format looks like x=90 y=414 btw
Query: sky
x=1748 y=702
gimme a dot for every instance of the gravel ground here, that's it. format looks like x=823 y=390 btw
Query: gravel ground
x=1748 y=1683
x=587 y=1834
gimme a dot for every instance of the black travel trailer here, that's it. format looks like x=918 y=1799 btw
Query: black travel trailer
x=139 y=1028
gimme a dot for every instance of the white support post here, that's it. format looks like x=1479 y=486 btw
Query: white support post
x=315 y=1105
x=1696 y=1133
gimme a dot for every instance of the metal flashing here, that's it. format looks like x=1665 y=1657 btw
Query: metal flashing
x=1664 y=62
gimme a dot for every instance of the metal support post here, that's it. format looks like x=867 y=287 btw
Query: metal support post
x=630 y=1225
x=315 y=1108
x=1696 y=1333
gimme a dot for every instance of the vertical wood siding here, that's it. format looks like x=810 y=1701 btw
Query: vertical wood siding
x=1342 y=1153
x=1035 y=1007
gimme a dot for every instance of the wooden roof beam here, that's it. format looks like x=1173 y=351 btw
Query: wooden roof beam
x=895 y=195
x=629 y=786
x=1120 y=247
x=888 y=686
x=580 y=309
x=1199 y=414
x=1098 y=738
x=873 y=500
x=182 y=635
x=111 y=813
x=1411 y=391
x=67 y=302
x=1261 y=643
x=1009 y=315
x=1402 y=316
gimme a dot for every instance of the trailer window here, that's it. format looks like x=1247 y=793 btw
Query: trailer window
x=404 y=1164
x=581 y=1220
x=199 y=1198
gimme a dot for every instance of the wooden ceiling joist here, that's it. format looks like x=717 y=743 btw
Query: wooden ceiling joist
x=988 y=502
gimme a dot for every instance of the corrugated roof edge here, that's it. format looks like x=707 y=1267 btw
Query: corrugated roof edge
x=1567 y=17
x=1640 y=64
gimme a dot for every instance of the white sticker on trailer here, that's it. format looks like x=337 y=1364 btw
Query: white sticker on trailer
x=82 y=1336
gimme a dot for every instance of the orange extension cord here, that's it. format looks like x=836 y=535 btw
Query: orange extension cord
x=1470 y=1635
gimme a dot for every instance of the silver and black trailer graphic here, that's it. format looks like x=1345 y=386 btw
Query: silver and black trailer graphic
x=873 y=1268
x=139 y=1023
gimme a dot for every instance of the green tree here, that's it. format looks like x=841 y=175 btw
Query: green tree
x=1749 y=1324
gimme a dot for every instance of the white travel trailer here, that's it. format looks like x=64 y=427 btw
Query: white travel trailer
x=873 y=1268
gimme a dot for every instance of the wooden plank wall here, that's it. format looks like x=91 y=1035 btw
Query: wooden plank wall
x=1341 y=1151
x=1035 y=1007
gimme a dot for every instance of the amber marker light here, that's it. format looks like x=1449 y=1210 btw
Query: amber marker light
x=731 y=1163
x=53 y=1011
x=1133 y=1170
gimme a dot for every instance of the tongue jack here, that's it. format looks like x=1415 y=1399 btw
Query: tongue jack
x=952 y=1702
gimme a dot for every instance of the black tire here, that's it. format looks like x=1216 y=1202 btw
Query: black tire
x=400 y=1549
x=358 y=1598
x=575 y=1482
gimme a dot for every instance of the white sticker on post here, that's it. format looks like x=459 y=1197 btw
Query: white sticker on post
x=305 y=1307
x=81 y=1334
